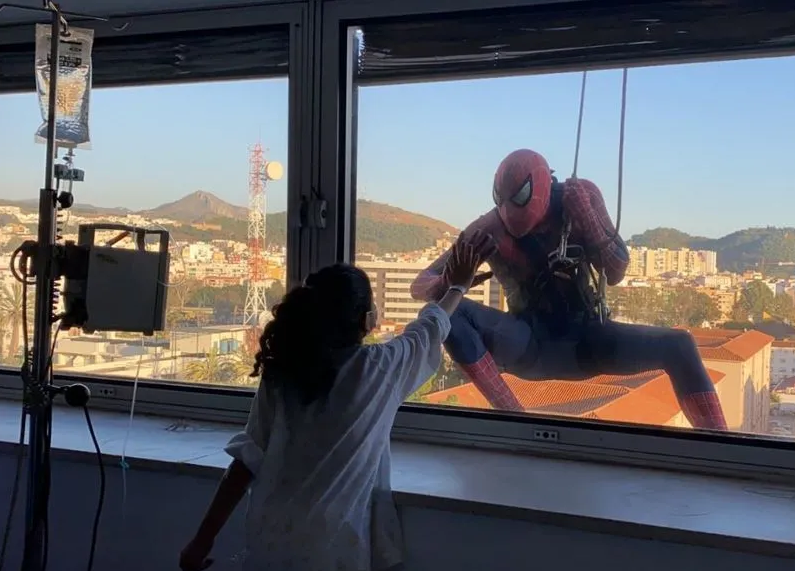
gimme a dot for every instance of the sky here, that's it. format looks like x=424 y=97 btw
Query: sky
x=708 y=146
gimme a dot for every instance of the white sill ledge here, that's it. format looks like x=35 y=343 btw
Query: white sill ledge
x=732 y=515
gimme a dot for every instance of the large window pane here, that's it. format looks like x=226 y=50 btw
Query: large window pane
x=570 y=35
x=185 y=158
x=707 y=218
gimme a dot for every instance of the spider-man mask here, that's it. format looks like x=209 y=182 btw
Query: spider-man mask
x=522 y=188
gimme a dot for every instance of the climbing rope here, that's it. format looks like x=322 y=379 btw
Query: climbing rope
x=621 y=137
x=601 y=281
x=579 y=124
x=621 y=132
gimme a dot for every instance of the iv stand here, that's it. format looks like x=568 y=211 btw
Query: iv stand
x=38 y=389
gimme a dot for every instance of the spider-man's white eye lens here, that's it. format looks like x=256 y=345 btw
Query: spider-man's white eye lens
x=524 y=195
x=495 y=197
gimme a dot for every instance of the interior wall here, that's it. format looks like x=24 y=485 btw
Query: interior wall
x=162 y=510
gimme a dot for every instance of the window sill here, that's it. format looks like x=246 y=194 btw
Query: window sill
x=734 y=515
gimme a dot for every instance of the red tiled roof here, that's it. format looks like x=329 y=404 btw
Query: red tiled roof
x=729 y=345
x=645 y=398
x=784 y=344
x=563 y=397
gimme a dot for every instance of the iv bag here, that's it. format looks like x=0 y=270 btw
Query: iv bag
x=73 y=86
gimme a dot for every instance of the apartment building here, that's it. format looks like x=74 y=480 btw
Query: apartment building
x=782 y=362
x=652 y=262
x=725 y=300
x=744 y=358
x=391 y=282
x=716 y=281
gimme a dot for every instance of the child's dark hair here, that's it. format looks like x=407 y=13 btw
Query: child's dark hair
x=300 y=347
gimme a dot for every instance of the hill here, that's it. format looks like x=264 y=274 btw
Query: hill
x=761 y=248
x=198 y=206
x=201 y=215
x=380 y=228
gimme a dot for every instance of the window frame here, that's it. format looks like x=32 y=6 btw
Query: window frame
x=181 y=399
x=727 y=454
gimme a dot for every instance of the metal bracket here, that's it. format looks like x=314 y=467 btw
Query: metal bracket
x=313 y=213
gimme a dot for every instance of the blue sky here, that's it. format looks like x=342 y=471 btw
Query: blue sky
x=708 y=146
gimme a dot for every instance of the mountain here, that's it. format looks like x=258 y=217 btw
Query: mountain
x=761 y=248
x=30 y=205
x=198 y=206
x=380 y=228
x=201 y=215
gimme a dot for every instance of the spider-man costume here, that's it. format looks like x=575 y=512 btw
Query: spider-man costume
x=551 y=330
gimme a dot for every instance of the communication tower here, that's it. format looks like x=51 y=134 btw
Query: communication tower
x=261 y=171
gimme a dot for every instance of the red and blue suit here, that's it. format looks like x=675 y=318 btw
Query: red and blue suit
x=550 y=330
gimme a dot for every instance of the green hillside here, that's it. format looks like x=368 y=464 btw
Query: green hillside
x=752 y=248
x=380 y=229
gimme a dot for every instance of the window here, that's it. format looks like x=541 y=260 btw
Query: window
x=205 y=160
x=710 y=244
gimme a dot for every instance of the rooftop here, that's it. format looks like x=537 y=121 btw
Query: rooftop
x=645 y=398
x=729 y=345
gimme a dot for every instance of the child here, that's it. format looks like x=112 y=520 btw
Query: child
x=315 y=451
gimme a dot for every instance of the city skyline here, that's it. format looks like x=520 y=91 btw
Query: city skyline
x=30 y=203
x=415 y=138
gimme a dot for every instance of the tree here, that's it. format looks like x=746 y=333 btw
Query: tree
x=687 y=307
x=755 y=300
x=242 y=364
x=636 y=304
x=227 y=302
x=450 y=375
x=177 y=300
x=213 y=369
x=420 y=394
x=783 y=308
x=11 y=314
x=371 y=339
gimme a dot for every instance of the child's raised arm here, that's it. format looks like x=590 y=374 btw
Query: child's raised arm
x=418 y=351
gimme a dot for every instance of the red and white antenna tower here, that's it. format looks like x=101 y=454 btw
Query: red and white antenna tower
x=261 y=171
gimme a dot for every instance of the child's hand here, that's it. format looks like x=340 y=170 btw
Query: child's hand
x=195 y=555
x=484 y=244
x=467 y=255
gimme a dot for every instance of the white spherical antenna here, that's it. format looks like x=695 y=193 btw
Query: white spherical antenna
x=274 y=170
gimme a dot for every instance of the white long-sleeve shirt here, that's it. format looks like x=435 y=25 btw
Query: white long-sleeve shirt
x=321 y=497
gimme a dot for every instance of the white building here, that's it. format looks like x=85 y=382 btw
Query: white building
x=782 y=362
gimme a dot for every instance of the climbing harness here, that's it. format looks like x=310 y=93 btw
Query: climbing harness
x=569 y=257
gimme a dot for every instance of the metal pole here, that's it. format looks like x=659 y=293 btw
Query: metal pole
x=38 y=392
